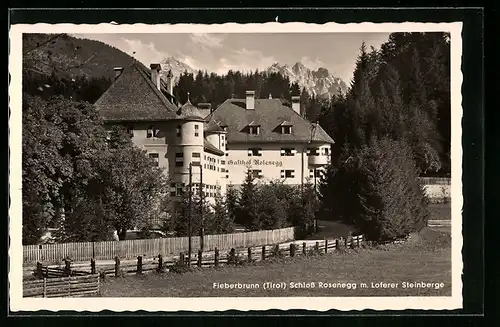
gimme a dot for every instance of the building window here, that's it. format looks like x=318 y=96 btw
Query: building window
x=255 y=152
x=286 y=129
x=223 y=162
x=227 y=154
x=152 y=132
x=156 y=158
x=178 y=130
x=289 y=173
x=286 y=152
x=196 y=156
x=223 y=170
x=179 y=159
x=205 y=166
x=256 y=173
x=311 y=173
x=253 y=130
x=326 y=151
x=196 y=130
x=312 y=152
x=179 y=189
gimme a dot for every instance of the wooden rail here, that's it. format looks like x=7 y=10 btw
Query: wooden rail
x=84 y=251
x=234 y=256
x=63 y=287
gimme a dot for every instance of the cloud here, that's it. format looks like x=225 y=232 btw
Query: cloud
x=312 y=64
x=144 y=52
x=244 y=60
x=207 y=40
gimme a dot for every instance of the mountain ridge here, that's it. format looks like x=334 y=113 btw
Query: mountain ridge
x=319 y=82
x=70 y=56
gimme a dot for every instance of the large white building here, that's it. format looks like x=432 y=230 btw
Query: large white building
x=271 y=140
x=264 y=136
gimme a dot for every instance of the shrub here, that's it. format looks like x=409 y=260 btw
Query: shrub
x=390 y=200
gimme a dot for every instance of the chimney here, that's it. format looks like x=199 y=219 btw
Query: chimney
x=118 y=71
x=296 y=103
x=155 y=75
x=170 y=82
x=250 y=100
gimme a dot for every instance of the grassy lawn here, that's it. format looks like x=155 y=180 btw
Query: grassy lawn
x=425 y=258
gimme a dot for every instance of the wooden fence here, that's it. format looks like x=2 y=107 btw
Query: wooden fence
x=214 y=258
x=435 y=180
x=63 y=287
x=84 y=251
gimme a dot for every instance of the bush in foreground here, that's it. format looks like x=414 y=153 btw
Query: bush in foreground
x=390 y=199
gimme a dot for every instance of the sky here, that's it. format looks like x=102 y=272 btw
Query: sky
x=219 y=53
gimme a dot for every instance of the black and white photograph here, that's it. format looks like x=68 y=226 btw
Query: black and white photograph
x=235 y=166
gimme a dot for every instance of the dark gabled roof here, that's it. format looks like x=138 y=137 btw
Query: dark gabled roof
x=269 y=114
x=213 y=127
x=134 y=97
x=188 y=111
x=211 y=148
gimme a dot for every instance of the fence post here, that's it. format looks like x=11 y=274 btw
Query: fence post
x=345 y=242
x=263 y=254
x=200 y=254
x=326 y=246
x=304 y=248
x=182 y=259
x=160 y=263
x=92 y=266
x=39 y=270
x=357 y=240
x=44 y=287
x=232 y=256
x=316 y=247
x=117 y=266
x=353 y=244
x=216 y=259
x=337 y=244
x=139 y=265
x=292 y=250
x=249 y=254
x=67 y=268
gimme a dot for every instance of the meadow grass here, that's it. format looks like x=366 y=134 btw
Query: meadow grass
x=426 y=257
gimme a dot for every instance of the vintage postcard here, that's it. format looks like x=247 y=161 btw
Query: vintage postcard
x=235 y=167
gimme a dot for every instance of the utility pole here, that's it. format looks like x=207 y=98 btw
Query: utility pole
x=202 y=198
x=189 y=213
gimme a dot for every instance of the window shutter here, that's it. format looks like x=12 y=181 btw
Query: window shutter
x=259 y=151
x=293 y=174
x=282 y=152
x=308 y=151
x=249 y=152
x=282 y=174
x=311 y=173
x=294 y=151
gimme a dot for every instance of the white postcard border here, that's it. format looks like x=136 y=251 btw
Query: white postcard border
x=18 y=303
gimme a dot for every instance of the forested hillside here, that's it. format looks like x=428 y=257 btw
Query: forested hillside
x=67 y=56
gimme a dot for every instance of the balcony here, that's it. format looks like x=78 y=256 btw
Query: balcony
x=155 y=141
x=318 y=160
